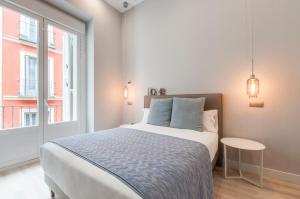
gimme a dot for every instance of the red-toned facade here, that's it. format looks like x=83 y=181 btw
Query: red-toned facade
x=14 y=103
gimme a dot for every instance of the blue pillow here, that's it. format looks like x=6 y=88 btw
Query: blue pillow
x=187 y=113
x=160 y=112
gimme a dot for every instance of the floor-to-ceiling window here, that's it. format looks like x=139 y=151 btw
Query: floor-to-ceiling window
x=39 y=80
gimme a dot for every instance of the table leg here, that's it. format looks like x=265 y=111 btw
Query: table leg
x=261 y=168
x=241 y=176
x=225 y=161
x=240 y=171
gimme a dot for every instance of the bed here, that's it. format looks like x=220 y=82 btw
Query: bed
x=72 y=176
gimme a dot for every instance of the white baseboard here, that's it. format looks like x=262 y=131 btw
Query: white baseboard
x=18 y=162
x=281 y=175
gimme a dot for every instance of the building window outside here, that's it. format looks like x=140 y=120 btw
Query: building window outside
x=29 y=118
x=51 y=113
x=51 y=77
x=51 y=37
x=28 y=75
x=28 y=29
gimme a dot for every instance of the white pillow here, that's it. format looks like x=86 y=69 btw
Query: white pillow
x=145 y=116
x=210 y=121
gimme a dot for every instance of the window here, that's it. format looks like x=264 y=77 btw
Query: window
x=24 y=120
x=28 y=29
x=29 y=118
x=51 y=41
x=28 y=73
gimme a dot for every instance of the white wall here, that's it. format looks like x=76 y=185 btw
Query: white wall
x=105 y=29
x=200 y=46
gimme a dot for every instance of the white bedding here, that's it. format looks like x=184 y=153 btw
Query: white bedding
x=209 y=139
x=79 y=179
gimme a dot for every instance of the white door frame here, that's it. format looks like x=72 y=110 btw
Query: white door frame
x=65 y=128
x=23 y=143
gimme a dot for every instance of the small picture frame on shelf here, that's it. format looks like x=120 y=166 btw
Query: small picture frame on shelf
x=162 y=91
x=152 y=91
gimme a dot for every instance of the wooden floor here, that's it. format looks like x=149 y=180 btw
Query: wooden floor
x=273 y=189
x=26 y=182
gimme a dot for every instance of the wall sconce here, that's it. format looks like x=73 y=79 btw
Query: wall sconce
x=127 y=93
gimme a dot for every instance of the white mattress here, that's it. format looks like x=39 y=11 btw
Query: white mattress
x=79 y=179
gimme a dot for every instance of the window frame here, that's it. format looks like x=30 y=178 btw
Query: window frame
x=45 y=15
x=37 y=135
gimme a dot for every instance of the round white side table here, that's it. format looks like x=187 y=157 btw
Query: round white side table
x=244 y=144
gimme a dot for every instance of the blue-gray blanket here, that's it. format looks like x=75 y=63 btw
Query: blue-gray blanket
x=155 y=166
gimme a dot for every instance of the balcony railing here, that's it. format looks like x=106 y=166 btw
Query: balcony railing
x=26 y=116
x=29 y=88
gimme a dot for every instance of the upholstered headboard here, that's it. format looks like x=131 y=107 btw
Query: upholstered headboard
x=212 y=102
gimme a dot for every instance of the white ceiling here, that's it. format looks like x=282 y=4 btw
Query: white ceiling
x=118 y=4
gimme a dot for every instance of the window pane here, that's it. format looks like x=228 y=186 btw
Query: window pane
x=62 y=76
x=27 y=119
x=33 y=118
x=18 y=70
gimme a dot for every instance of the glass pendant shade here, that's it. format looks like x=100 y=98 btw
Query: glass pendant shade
x=253 y=87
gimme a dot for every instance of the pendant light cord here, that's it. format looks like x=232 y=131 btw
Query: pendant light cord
x=252 y=36
x=252 y=32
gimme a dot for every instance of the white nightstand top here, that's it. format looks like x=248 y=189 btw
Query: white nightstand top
x=244 y=144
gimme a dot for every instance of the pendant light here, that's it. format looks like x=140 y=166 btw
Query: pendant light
x=252 y=82
x=253 y=85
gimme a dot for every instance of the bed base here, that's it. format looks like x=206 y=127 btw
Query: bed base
x=214 y=161
x=54 y=189
x=52 y=194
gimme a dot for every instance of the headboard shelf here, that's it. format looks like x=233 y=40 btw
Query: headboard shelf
x=213 y=101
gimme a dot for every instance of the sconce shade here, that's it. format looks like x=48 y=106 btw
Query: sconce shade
x=253 y=87
x=126 y=92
